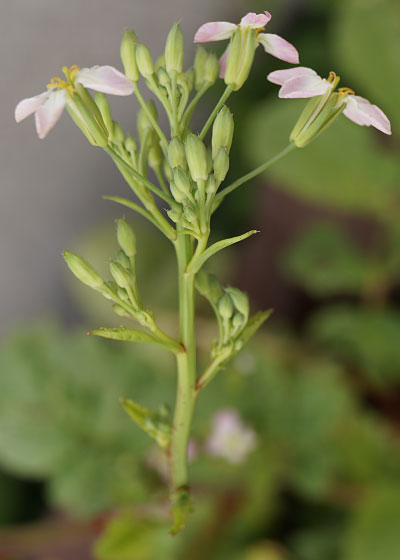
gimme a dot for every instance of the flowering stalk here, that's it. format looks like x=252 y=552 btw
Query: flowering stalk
x=189 y=176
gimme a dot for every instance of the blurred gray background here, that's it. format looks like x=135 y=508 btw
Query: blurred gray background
x=51 y=189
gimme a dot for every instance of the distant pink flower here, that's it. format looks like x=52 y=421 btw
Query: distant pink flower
x=49 y=105
x=303 y=82
x=273 y=44
x=230 y=438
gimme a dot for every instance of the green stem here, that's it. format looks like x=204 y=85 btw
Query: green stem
x=161 y=135
x=224 y=97
x=221 y=195
x=191 y=107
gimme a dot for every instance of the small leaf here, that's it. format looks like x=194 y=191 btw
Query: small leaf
x=153 y=424
x=133 y=335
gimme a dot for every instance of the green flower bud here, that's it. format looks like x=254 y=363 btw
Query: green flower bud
x=126 y=238
x=225 y=306
x=163 y=78
x=199 y=65
x=128 y=55
x=240 y=57
x=238 y=320
x=104 y=108
x=182 y=181
x=120 y=311
x=123 y=294
x=222 y=133
x=190 y=77
x=155 y=156
x=178 y=195
x=83 y=271
x=175 y=215
x=211 y=69
x=160 y=62
x=176 y=154
x=144 y=61
x=120 y=275
x=211 y=185
x=167 y=170
x=143 y=124
x=190 y=215
x=196 y=156
x=240 y=301
x=208 y=286
x=221 y=164
x=123 y=259
x=117 y=135
x=132 y=149
x=174 y=49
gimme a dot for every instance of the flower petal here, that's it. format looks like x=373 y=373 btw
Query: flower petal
x=105 y=79
x=29 y=105
x=281 y=76
x=214 y=31
x=304 y=86
x=362 y=112
x=256 y=21
x=49 y=112
x=222 y=63
x=279 y=47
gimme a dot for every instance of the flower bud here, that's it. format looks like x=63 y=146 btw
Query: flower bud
x=174 y=49
x=120 y=275
x=190 y=215
x=211 y=69
x=238 y=320
x=240 y=300
x=225 y=306
x=199 y=65
x=211 y=185
x=123 y=259
x=222 y=133
x=126 y=238
x=163 y=78
x=178 y=195
x=83 y=271
x=167 y=170
x=190 y=77
x=160 y=62
x=208 y=286
x=104 y=108
x=240 y=57
x=132 y=149
x=128 y=55
x=120 y=311
x=117 y=135
x=182 y=181
x=196 y=156
x=144 y=61
x=176 y=154
x=221 y=164
x=143 y=123
x=155 y=155
x=175 y=215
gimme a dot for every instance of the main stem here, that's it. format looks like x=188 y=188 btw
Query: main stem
x=186 y=362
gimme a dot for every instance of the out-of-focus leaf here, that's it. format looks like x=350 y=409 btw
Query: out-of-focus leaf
x=366 y=42
x=344 y=167
x=367 y=338
x=324 y=262
x=374 y=532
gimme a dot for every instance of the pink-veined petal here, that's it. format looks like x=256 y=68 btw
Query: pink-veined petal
x=105 y=79
x=279 y=47
x=222 y=63
x=49 y=112
x=362 y=112
x=256 y=21
x=304 y=86
x=214 y=31
x=29 y=105
x=281 y=76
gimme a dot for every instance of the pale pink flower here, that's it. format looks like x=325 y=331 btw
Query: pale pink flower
x=304 y=82
x=230 y=438
x=273 y=44
x=49 y=105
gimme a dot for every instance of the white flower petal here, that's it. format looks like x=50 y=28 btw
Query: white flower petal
x=29 y=105
x=255 y=21
x=281 y=76
x=49 y=112
x=105 y=79
x=363 y=113
x=304 y=86
x=214 y=31
x=279 y=47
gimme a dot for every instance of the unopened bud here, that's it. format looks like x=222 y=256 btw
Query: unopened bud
x=225 y=306
x=163 y=77
x=104 y=108
x=221 y=164
x=240 y=57
x=174 y=49
x=211 y=69
x=190 y=215
x=196 y=156
x=182 y=181
x=240 y=300
x=238 y=321
x=175 y=215
x=176 y=154
x=190 y=77
x=144 y=61
x=222 y=133
x=155 y=156
x=120 y=311
x=199 y=65
x=128 y=55
x=126 y=238
x=160 y=62
x=208 y=286
x=83 y=271
x=178 y=195
x=167 y=170
x=132 y=149
x=123 y=259
x=211 y=185
x=120 y=275
x=117 y=135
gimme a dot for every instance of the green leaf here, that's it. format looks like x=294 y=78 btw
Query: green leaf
x=152 y=423
x=133 y=335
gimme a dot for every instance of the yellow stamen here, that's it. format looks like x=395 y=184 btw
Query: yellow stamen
x=332 y=77
x=345 y=91
x=56 y=82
